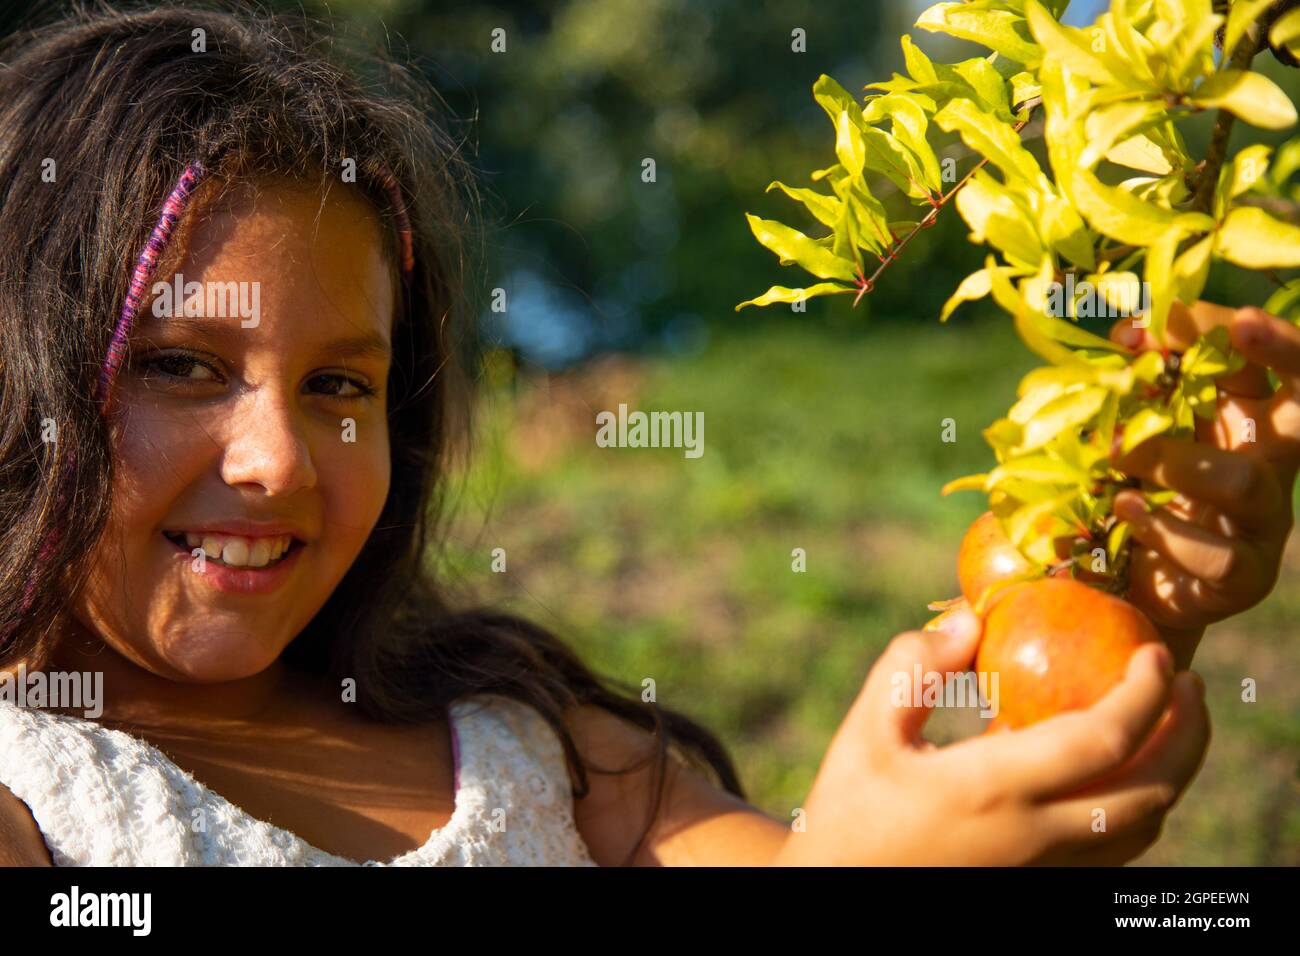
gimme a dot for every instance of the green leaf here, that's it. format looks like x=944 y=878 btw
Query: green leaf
x=918 y=64
x=1000 y=30
x=1252 y=238
x=1033 y=526
x=1251 y=96
x=779 y=293
x=909 y=128
x=1141 y=152
x=1065 y=411
x=965 y=483
x=1070 y=47
x=1240 y=16
x=793 y=246
x=975 y=286
x=1284 y=301
x=994 y=217
x=1248 y=167
x=993 y=139
x=1117 y=123
x=1286 y=31
x=825 y=208
x=1161 y=281
x=886 y=155
x=868 y=213
x=833 y=173
x=988 y=84
x=1066 y=233
x=849 y=146
x=1143 y=424
x=1126 y=218
x=1040 y=469
x=1024 y=87
x=834 y=99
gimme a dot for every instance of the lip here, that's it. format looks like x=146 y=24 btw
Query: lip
x=244 y=529
x=241 y=580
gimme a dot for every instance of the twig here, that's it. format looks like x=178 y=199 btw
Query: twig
x=1217 y=153
x=866 y=284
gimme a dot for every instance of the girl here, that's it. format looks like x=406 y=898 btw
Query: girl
x=223 y=511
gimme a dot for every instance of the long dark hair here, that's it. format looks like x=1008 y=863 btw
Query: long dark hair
x=100 y=112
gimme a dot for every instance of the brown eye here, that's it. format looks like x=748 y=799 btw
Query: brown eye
x=178 y=366
x=339 y=386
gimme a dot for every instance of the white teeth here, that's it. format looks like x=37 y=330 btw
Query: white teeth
x=260 y=553
x=238 y=551
x=235 y=552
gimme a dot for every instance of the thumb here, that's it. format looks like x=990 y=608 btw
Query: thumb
x=892 y=701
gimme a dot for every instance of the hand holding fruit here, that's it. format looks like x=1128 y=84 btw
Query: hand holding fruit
x=1217 y=549
x=884 y=796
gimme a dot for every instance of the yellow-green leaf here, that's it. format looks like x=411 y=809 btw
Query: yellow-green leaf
x=1249 y=95
x=993 y=139
x=995 y=218
x=1240 y=16
x=849 y=146
x=999 y=30
x=1064 y=411
x=1286 y=31
x=793 y=246
x=1126 y=218
x=1070 y=47
x=779 y=293
x=834 y=99
x=1143 y=424
x=965 y=483
x=825 y=208
x=1252 y=238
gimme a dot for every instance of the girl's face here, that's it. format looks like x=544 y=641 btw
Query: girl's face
x=255 y=432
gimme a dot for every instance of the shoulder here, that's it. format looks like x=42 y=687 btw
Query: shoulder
x=696 y=821
x=21 y=843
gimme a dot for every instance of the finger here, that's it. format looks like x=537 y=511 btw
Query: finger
x=1135 y=798
x=891 y=702
x=1187 y=323
x=1243 y=487
x=1267 y=340
x=1184 y=327
x=1211 y=557
x=1063 y=753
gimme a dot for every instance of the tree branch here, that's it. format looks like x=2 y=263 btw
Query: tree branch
x=1251 y=42
x=866 y=284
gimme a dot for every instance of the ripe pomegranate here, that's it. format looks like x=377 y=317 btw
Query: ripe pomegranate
x=1056 y=645
x=987 y=557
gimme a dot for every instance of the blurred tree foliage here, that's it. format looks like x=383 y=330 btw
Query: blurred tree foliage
x=592 y=257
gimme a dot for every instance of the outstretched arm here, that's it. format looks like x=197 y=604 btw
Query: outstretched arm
x=21 y=843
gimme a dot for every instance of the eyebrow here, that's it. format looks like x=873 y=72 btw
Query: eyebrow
x=366 y=345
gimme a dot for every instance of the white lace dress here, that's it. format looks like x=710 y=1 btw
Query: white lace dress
x=102 y=797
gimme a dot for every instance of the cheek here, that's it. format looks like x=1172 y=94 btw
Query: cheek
x=157 y=458
x=354 y=478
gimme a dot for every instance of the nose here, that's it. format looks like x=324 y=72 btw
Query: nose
x=266 y=445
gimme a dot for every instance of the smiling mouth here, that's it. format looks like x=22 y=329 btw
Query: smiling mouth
x=237 y=551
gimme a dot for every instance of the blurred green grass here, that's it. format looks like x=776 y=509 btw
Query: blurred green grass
x=657 y=566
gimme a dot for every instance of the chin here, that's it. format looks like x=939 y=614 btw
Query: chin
x=213 y=658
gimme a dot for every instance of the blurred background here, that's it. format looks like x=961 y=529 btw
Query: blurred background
x=822 y=429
